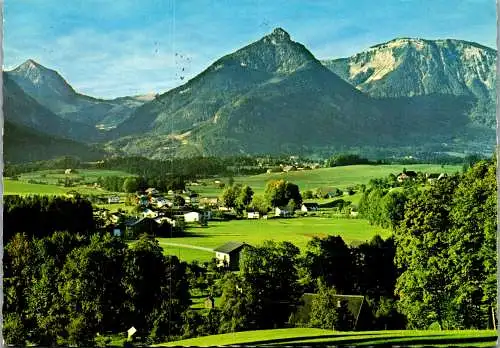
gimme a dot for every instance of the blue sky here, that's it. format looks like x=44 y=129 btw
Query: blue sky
x=110 y=48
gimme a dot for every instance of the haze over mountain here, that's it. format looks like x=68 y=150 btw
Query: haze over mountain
x=407 y=67
x=51 y=90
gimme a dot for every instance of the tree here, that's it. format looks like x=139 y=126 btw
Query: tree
x=178 y=201
x=472 y=245
x=266 y=290
x=279 y=192
x=244 y=197
x=329 y=312
x=130 y=185
x=259 y=204
x=90 y=285
x=330 y=260
x=422 y=254
x=156 y=290
x=230 y=195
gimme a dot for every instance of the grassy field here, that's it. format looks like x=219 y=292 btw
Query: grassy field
x=339 y=177
x=186 y=254
x=318 y=337
x=295 y=230
x=50 y=179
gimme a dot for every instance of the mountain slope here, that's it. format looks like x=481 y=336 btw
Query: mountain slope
x=416 y=67
x=266 y=97
x=20 y=108
x=23 y=144
x=52 y=91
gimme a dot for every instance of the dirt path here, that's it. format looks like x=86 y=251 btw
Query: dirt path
x=186 y=246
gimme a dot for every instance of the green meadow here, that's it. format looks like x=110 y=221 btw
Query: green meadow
x=298 y=231
x=319 y=337
x=340 y=177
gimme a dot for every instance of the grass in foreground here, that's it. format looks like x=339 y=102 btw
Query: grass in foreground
x=318 y=337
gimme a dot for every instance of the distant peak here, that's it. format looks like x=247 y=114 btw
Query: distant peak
x=31 y=62
x=279 y=35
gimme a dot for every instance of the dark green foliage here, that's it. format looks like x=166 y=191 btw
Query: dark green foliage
x=46 y=215
x=65 y=289
x=331 y=261
x=329 y=312
x=446 y=251
x=279 y=193
x=346 y=160
x=265 y=292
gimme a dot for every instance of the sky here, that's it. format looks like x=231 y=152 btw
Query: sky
x=112 y=48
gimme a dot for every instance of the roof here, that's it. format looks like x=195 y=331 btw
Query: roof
x=354 y=303
x=311 y=205
x=230 y=247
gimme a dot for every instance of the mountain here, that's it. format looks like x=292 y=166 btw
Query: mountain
x=19 y=108
x=270 y=96
x=24 y=144
x=52 y=91
x=408 y=67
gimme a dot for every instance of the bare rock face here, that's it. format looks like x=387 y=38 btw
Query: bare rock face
x=408 y=67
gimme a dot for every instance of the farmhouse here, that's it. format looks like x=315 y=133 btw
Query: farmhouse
x=289 y=168
x=282 y=212
x=229 y=254
x=142 y=225
x=192 y=216
x=68 y=171
x=113 y=199
x=306 y=207
x=407 y=175
x=253 y=215
x=303 y=312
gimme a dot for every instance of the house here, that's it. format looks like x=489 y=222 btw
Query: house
x=302 y=313
x=134 y=227
x=307 y=207
x=68 y=171
x=209 y=302
x=113 y=199
x=229 y=254
x=149 y=213
x=354 y=213
x=289 y=168
x=253 y=215
x=407 y=175
x=152 y=191
x=192 y=216
x=282 y=212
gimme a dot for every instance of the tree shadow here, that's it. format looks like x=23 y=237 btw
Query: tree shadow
x=379 y=341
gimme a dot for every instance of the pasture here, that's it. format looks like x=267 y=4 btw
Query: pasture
x=318 y=337
x=298 y=231
x=340 y=177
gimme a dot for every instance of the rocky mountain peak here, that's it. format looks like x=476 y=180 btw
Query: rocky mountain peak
x=278 y=35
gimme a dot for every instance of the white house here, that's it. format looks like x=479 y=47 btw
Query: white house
x=306 y=207
x=192 y=216
x=283 y=212
x=113 y=199
x=253 y=215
